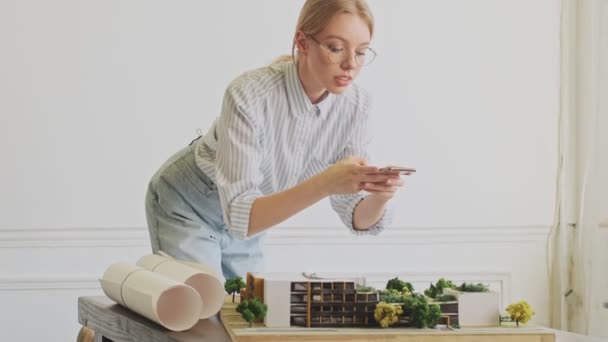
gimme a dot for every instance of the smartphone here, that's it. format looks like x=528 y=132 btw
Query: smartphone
x=399 y=169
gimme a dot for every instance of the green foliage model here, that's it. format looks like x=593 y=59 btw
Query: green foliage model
x=399 y=285
x=387 y=314
x=445 y=298
x=434 y=315
x=234 y=285
x=394 y=296
x=422 y=314
x=479 y=287
x=437 y=289
x=252 y=310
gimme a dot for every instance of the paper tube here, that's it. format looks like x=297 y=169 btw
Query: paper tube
x=171 y=304
x=202 y=278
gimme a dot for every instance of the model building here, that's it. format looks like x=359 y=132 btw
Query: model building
x=295 y=300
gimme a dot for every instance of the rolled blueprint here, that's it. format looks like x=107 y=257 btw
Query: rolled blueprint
x=200 y=277
x=173 y=305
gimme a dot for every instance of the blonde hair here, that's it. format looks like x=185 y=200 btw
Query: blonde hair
x=315 y=15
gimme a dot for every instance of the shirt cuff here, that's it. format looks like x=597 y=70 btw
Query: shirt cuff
x=386 y=219
x=239 y=217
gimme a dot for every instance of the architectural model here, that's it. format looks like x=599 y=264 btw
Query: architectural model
x=294 y=300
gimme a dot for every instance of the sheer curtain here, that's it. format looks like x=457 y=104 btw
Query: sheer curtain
x=572 y=243
x=559 y=236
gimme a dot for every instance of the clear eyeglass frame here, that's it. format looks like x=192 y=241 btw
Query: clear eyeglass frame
x=340 y=57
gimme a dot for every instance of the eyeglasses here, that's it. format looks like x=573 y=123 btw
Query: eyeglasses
x=341 y=55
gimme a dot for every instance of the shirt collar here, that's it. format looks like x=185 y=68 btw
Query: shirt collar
x=298 y=100
x=325 y=105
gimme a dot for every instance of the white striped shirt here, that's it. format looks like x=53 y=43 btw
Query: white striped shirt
x=270 y=137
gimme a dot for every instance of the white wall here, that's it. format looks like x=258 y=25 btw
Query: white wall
x=95 y=95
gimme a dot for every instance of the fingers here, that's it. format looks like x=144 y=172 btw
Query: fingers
x=375 y=187
x=367 y=170
x=390 y=185
x=378 y=177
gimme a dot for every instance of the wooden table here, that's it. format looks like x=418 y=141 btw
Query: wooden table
x=112 y=322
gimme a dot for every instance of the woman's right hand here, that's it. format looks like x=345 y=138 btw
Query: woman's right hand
x=348 y=176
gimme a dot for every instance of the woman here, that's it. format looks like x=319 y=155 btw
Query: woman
x=289 y=135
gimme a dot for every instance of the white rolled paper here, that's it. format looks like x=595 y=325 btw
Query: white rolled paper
x=173 y=305
x=113 y=279
x=200 y=277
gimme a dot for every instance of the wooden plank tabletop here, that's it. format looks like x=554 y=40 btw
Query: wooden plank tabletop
x=119 y=324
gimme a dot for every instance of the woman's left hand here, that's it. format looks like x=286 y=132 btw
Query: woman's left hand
x=384 y=190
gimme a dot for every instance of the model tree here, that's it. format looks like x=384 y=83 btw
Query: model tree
x=520 y=312
x=387 y=314
x=437 y=289
x=233 y=286
x=421 y=313
x=393 y=296
x=252 y=310
x=479 y=287
x=434 y=315
x=399 y=285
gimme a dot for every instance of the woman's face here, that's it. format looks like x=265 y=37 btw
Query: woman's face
x=334 y=53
